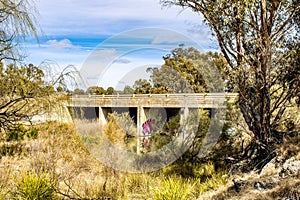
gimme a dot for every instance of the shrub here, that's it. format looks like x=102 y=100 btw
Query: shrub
x=120 y=129
x=15 y=133
x=32 y=133
x=172 y=125
x=205 y=170
x=33 y=186
x=184 y=169
x=12 y=149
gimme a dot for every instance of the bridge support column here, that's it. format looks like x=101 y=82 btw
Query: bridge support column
x=141 y=118
x=102 y=118
x=184 y=112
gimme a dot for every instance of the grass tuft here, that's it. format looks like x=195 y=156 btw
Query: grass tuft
x=32 y=186
x=174 y=188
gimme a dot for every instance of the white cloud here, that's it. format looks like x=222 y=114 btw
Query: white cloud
x=122 y=61
x=110 y=16
x=67 y=21
x=61 y=44
x=169 y=39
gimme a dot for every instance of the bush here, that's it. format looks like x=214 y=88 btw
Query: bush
x=12 y=149
x=33 y=186
x=183 y=169
x=205 y=170
x=32 y=133
x=120 y=130
x=16 y=133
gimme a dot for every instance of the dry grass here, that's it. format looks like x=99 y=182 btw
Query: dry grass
x=59 y=153
x=291 y=148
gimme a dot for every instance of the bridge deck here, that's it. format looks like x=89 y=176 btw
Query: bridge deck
x=196 y=100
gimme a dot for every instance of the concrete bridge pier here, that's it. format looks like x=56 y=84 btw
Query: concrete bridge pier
x=184 y=112
x=141 y=118
x=102 y=118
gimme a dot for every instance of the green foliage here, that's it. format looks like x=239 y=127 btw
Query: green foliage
x=142 y=86
x=26 y=80
x=110 y=91
x=188 y=169
x=35 y=187
x=258 y=58
x=95 y=90
x=202 y=177
x=198 y=122
x=78 y=91
x=204 y=122
x=86 y=176
x=14 y=137
x=182 y=169
x=291 y=118
x=32 y=133
x=16 y=132
x=187 y=70
x=12 y=149
x=23 y=93
x=159 y=140
x=163 y=136
x=90 y=139
x=172 y=125
x=174 y=188
x=205 y=170
x=128 y=90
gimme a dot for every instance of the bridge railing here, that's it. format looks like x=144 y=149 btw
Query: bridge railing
x=178 y=95
x=161 y=100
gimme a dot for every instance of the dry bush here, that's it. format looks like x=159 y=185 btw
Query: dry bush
x=291 y=148
x=121 y=131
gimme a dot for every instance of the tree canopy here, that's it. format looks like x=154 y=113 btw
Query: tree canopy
x=17 y=22
x=95 y=90
x=23 y=93
x=259 y=41
x=185 y=70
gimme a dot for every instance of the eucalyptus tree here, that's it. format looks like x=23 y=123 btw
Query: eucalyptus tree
x=23 y=94
x=17 y=21
x=186 y=70
x=259 y=40
x=95 y=90
x=142 y=86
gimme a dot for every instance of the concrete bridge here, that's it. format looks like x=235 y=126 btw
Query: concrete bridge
x=138 y=105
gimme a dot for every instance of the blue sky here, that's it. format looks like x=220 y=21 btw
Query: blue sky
x=133 y=33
